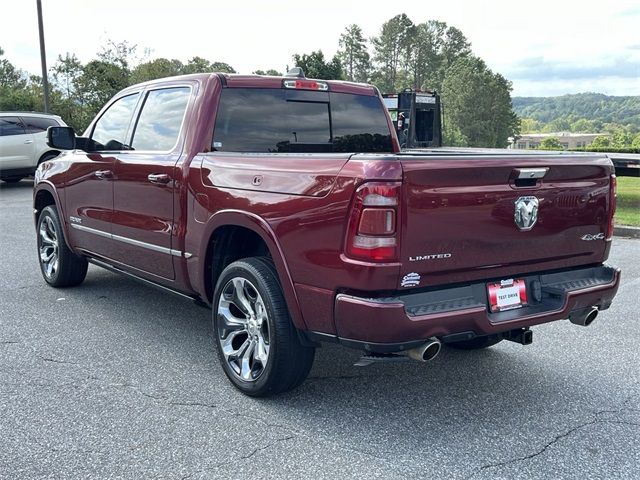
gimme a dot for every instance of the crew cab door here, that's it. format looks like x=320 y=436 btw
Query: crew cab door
x=143 y=195
x=89 y=180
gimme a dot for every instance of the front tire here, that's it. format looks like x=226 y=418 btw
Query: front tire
x=60 y=267
x=258 y=346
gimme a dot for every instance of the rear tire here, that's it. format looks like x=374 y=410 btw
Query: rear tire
x=258 y=346
x=11 y=179
x=60 y=267
x=477 y=343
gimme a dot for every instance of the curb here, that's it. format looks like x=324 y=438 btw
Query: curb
x=624 y=231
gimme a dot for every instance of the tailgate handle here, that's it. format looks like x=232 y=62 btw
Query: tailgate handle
x=530 y=173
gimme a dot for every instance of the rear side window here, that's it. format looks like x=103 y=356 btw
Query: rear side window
x=281 y=120
x=37 y=125
x=160 y=121
x=359 y=124
x=111 y=128
x=11 y=126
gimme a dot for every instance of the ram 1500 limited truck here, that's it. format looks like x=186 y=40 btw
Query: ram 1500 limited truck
x=285 y=204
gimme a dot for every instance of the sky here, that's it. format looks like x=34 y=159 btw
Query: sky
x=544 y=47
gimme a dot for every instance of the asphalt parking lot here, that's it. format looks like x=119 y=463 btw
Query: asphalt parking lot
x=117 y=379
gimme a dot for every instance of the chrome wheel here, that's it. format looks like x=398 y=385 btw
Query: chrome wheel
x=49 y=256
x=243 y=329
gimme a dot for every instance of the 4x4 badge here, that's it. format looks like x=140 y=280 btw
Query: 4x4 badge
x=526 y=214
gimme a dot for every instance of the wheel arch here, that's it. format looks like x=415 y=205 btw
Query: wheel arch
x=248 y=235
x=45 y=194
x=45 y=153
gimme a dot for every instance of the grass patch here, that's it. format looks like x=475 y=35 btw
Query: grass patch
x=628 y=210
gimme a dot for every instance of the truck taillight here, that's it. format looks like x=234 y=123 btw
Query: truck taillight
x=612 y=205
x=372 y=232
x=306 y=85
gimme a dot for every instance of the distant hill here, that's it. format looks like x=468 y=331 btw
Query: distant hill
x=591 y=106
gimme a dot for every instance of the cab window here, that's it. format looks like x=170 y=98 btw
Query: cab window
x=110 y=131
x=159 y=123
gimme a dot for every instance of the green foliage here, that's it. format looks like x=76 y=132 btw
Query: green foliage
x=18 y=91
x=592 y=107
x=354 y=55
x=453 y=137
x=590 y=148
x=429 y=55
x=529 y=125
x=390 y=51
x=270 y=72
x=478 y=104
x=315 y=66
x=158 y=68
x=601 y=142
x=550 y=143
x=416 y=56
x=79 y=91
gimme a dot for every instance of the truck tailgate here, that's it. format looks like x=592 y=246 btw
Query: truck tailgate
x=459 y=215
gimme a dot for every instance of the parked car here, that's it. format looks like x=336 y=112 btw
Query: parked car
x=23 y=143
x=286 y=205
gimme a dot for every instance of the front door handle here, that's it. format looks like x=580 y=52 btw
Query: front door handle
x=103 y=174
x=28 y=142
x=161 y=178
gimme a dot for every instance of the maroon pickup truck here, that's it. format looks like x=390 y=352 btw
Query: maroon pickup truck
x=286 y=205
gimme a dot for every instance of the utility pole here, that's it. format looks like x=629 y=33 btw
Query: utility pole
x=43 y=59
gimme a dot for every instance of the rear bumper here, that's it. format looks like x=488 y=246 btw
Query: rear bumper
x=400 y=322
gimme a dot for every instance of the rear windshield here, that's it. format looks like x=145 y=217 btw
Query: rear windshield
x=280 y=120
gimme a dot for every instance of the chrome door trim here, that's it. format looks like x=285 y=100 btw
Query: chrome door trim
x=91 y=230
x=131 y=241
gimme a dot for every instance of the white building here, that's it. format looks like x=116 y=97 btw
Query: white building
x=569 y=141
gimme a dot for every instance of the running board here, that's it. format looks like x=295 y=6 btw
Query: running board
x=114 y=269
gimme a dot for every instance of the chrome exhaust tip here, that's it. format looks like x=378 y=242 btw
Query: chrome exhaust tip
x=584 y=318
x=427 y=351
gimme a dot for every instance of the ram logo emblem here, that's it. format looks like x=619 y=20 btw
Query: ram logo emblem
x=526 y=214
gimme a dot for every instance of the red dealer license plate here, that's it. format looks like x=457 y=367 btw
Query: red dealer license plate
x=507 y=295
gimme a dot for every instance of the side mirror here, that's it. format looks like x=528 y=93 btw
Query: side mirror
x=63 y=138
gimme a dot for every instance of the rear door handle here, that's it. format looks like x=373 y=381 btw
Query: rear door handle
x=103 y=174
x=160 y=178
x=27 y=142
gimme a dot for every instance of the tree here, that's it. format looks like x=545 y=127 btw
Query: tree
x=550 y=143
x=99 y=82
x=353 y=54
x=601 y=141
x=10 y=77
x=121 y=54
x=315 y=66
x=158 y=68
x=17 y=89
x=390 y=51
x=421 y=56
x=529 y=125
x=583 y=125
x=477 y=103
x=222 y=67
x=65 y=98
x=621 y=139
x=271 y=72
